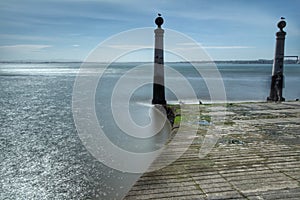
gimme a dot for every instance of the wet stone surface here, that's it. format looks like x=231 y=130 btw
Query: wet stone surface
x=257 y=156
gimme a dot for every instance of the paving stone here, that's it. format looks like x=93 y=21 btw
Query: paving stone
x=265 y=164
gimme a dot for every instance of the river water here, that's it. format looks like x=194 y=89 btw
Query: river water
x=42 y=155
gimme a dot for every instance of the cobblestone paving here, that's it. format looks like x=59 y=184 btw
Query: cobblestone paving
x=256 y=157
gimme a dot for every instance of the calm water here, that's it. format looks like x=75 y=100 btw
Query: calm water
x=243 y=82
x=42 y=156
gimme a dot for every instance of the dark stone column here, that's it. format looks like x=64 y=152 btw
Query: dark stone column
x=277 y=71
x=158 y=82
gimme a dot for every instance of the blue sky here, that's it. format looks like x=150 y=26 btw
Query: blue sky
x=69 y=29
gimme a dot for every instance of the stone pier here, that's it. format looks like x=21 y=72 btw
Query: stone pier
x=256 y=157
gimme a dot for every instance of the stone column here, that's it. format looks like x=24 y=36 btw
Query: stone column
x=158 y=82
x=277 y=71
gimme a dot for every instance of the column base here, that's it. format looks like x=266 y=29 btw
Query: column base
x=276 y=88
x=159 y=101
x=269 y=99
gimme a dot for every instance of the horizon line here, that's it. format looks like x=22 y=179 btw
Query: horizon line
x=78 y=61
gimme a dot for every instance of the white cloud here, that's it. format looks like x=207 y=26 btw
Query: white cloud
x=195 y=45
x=228 y=47
x=130 y=47
x=27 y=37
x=24 y=47
x=189 y=44
x=75 y=45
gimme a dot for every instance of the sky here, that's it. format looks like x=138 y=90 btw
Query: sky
x=68 y=30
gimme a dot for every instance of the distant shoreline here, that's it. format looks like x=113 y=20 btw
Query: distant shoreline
x=260 y=61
